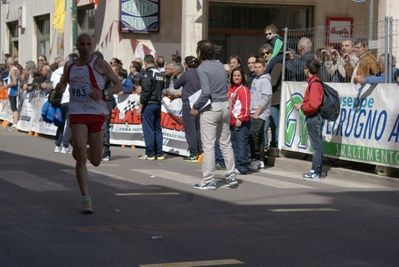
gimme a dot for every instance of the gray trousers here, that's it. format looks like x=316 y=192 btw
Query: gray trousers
x=215 y=123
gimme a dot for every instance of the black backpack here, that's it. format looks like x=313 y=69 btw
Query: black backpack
x=330 y=106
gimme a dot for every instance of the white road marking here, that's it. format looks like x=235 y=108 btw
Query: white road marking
x=114 y=181
x=32 y=182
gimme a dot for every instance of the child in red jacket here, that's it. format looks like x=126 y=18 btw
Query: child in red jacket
x=314 y=122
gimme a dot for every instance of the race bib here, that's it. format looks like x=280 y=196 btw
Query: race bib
x=80 y=94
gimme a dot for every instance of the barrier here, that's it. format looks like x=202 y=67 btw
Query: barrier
x=367 y=130
x=125 y=126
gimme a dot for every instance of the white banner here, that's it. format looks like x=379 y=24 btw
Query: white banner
x=30 y=118
x=367 y=130
x=5 y=110
x=126 y=126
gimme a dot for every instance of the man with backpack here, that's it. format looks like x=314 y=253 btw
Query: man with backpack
x=314 y=122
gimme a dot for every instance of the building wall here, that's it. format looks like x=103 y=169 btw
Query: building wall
x=168 y=41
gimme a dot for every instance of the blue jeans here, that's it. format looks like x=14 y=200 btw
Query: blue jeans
x=273 y=122
x=151 y=122
x=314 y=124
x=239 y=140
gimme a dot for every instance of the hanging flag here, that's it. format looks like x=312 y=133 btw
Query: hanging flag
x=59 y=16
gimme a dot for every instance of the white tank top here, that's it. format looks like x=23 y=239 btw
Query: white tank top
x=81 y=79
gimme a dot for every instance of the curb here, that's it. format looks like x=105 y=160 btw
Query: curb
x=295 y=163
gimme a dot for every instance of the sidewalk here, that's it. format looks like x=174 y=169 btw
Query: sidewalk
x=355 y=171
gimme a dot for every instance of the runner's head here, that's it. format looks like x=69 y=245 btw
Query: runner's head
x=84 y=46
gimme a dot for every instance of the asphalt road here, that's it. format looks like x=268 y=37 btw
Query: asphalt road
x=147 y=213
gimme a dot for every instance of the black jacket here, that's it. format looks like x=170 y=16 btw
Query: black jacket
x=153 y=84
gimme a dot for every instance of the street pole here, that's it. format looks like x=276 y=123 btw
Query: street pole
x=74 y=24
x=371 y=13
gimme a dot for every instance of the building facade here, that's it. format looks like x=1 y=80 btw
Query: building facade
x=30 y=27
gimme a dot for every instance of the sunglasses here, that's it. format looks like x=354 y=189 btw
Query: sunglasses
x=266 y=53
x=40 y=59
x=268 y=33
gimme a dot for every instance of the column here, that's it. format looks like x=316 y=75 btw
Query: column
x=192 y=26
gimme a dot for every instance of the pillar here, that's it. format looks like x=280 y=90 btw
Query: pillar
x=192 y=26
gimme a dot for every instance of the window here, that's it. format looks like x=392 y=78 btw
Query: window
x=14 y=36
x=43 y=35
x=239 y=28
x=249 y=18
x=86 y=20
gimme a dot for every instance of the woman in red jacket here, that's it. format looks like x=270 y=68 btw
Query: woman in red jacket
x=239 y=97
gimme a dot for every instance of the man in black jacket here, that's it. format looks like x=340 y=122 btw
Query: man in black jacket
x=150 y=110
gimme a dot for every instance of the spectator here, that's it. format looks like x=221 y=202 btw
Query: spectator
x=234 y=62
x=170 y=66
x=215 y=118
x=314 y=122
x=4 y=72
x=367 y=64
x=47 y=85
x=321 y=58
x=13 y=80
x=5 y=57
x=41 y=61
x=251 y=67
x=338 y=66
x=177 y=70
x=160 y=62
x=63 y=133
x=296 y=66
x=274 y=119
x=140 y=60
x=150 y=110
x=379 y=77
x=261 y=94
x=110 y=103
x=126 y=82
x=190 y=83
x=175 y=58
x=116 y=62
x=239 y=97
x=277 y=44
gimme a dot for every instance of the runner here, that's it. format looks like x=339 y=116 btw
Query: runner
x=87 y=108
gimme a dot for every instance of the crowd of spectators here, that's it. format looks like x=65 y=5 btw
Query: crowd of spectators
x=254 y=91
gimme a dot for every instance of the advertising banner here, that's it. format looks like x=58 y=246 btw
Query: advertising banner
x=367 y=129
x=126 y=125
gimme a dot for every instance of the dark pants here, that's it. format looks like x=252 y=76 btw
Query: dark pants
x=151 y=122
x=314 y=125
x=192 y=130
x=273 y=122
x=239 y=140
x=274 y=61
x=63 y=133
x=106 y=143
x=256 y=138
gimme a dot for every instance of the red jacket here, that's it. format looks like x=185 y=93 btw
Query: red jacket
x=240 y=103
x=313 y=96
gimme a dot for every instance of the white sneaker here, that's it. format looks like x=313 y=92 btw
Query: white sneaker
x=57 y=149
x=254 y=165
x=261 y=165
x=66 y=150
